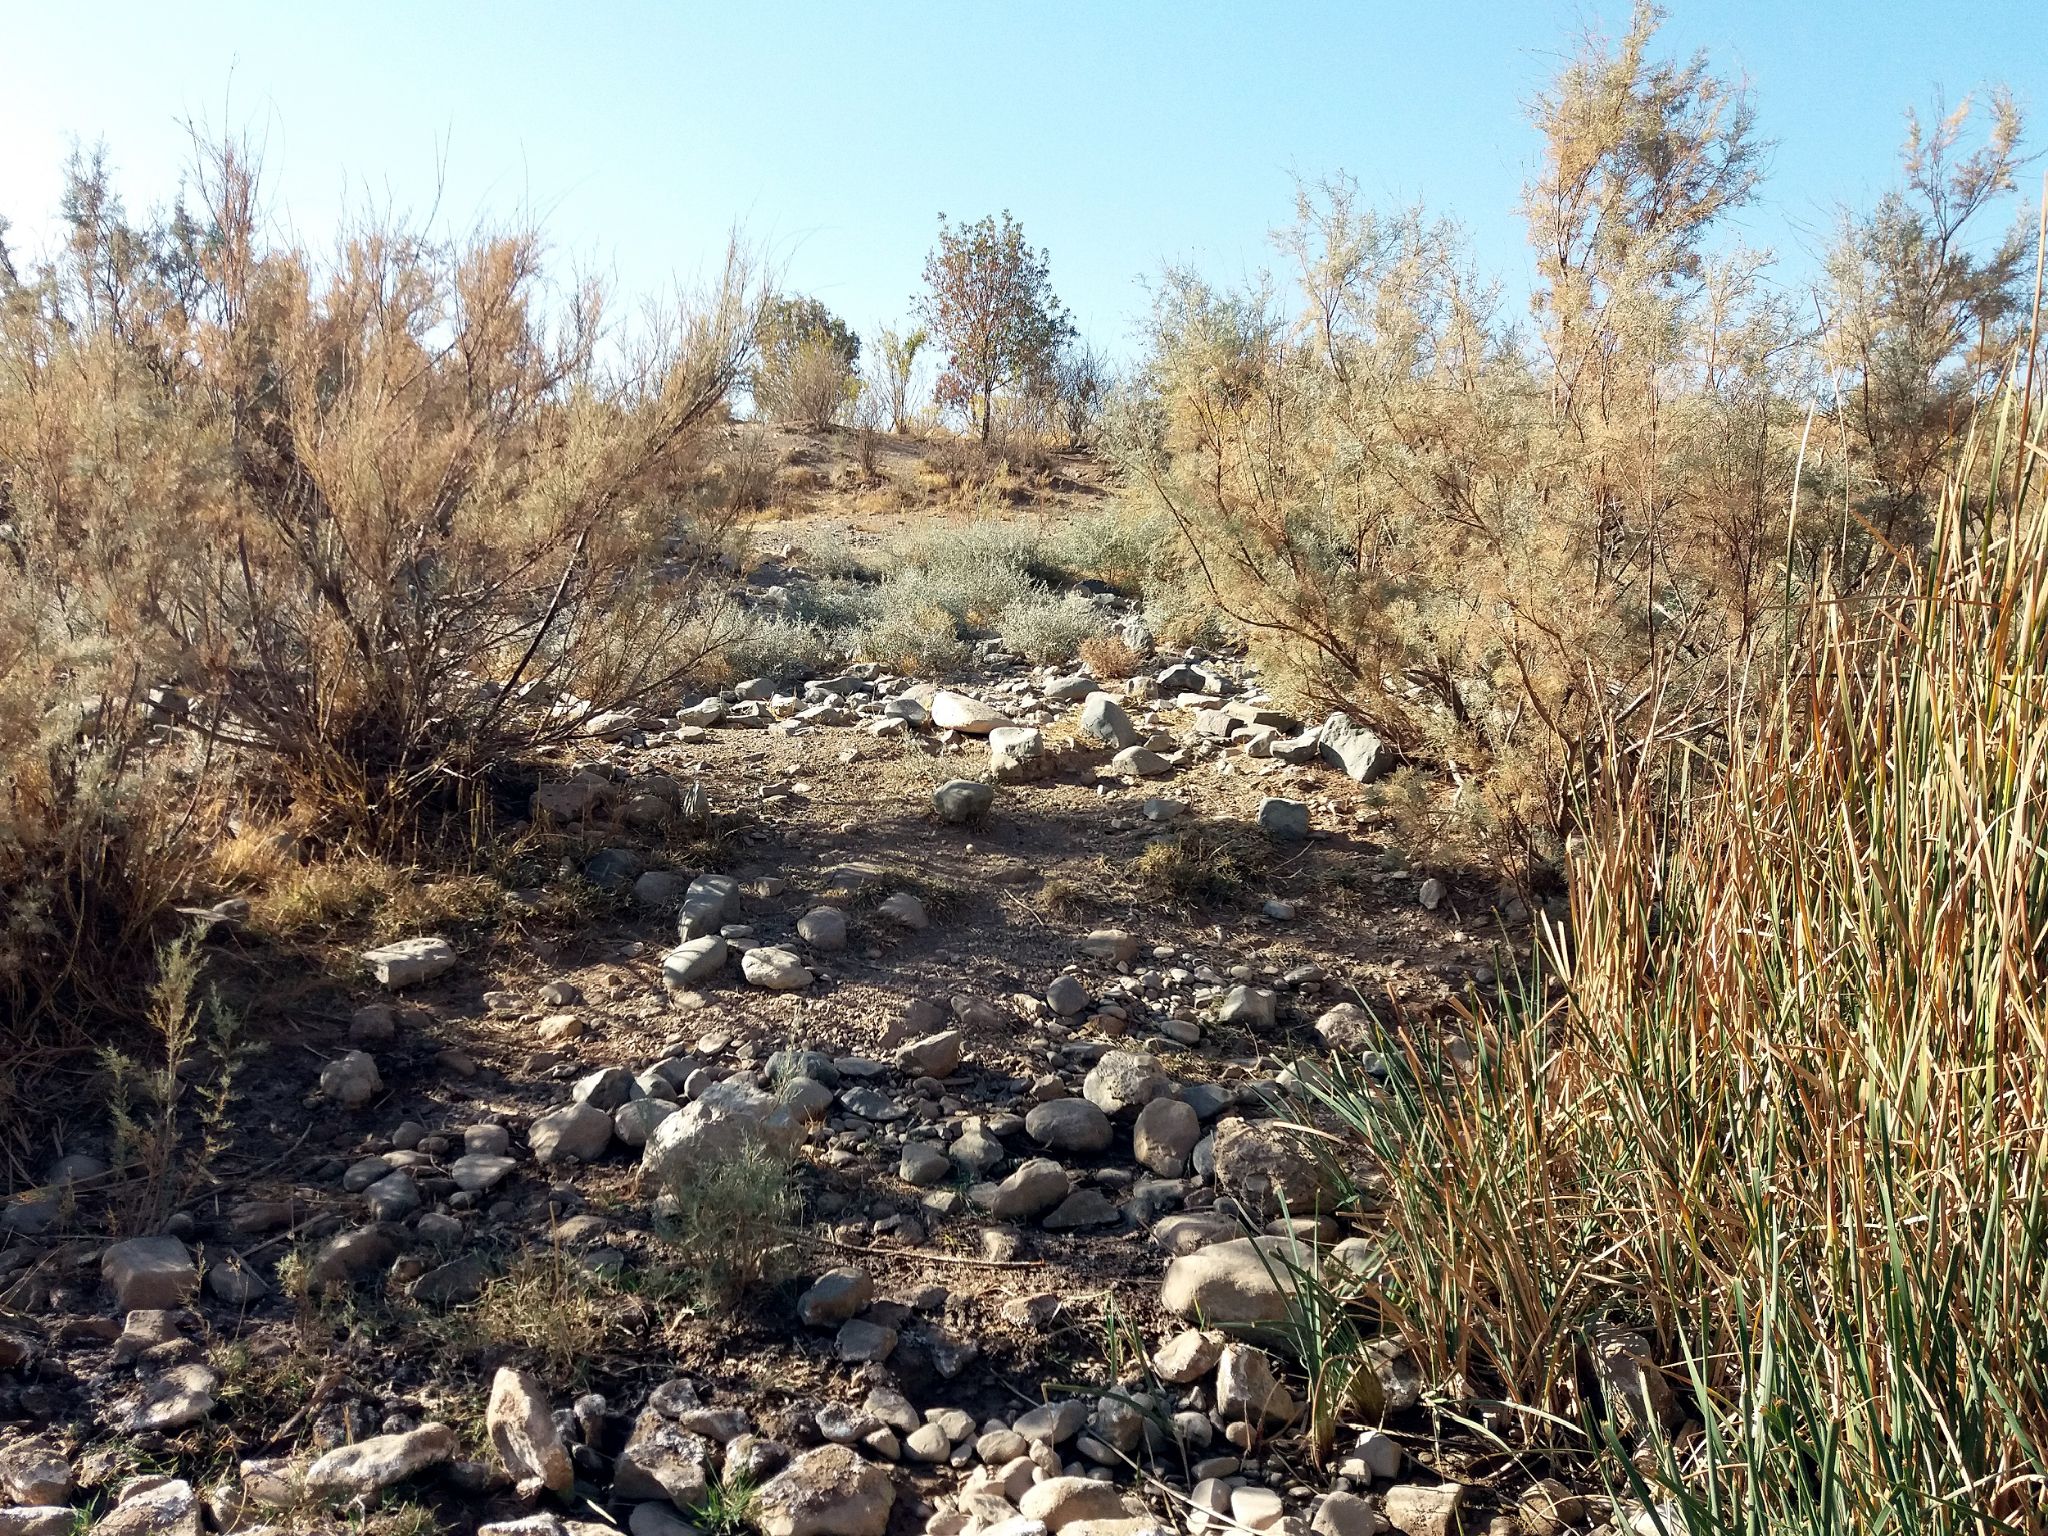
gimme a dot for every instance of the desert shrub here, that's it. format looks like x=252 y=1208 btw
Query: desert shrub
x=1134 y=551
x=915 y=635
x=388 y=518
x=1487 y=541
x=1785 y=1117
x=1206 y=865
x=806 y=367
x=1109 y=655
x=783 y=649
x=1050 y=630
x=745 y=474
x=727 y=1223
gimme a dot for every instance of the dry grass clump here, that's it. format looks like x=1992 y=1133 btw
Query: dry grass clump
x=726 y=1226
x=1110 y=656
x=1208 y=865
x=1789 y=1116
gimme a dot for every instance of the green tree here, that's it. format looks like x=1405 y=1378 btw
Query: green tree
x=989 y=303
x=805 y=361
x=899 y=354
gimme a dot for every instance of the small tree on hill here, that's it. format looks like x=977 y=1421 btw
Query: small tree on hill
x=899 y=354
x=806 y=361
x=990 y=305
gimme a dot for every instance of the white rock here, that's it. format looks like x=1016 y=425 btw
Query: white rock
x=409 y=961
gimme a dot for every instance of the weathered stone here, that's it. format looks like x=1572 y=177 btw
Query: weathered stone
x=936 y=1055
x=1066 y=995
x=957 y=712
x=153 y=1273
x=830 y=1491
x=351 y=1079
x=835 y=1296
x=1111 y=944
x=369 y=1465
x=1103 y=720
x=959 y=801
x=1230 y=1282
x=727 y=1120
x=1037 y=1185
x=1017 y=753
x=1247 y=1390
x=1124 y=1080
x=522 y=1429
x=775 y=968
x=409 y=962
x=662 y=1460
x=1269 y=1170
x=1346 y=1514
x=578 y=1131
x=693 y=961
x=1165 y=1135
x=1419 y=1510
x=1068 y=1125
x=1356 y=750
x=823 y=928
x=1187 y=1356
x=32 y=1472
x=1061 y=1501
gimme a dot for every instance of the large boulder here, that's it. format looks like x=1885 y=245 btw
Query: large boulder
x=1356 y=750
x=728 y=1120
x=1103 y=720
x=830 y=1491
x=1269 y=1169
x=1245 y=1280
x=522 y=1429
x=957 y=712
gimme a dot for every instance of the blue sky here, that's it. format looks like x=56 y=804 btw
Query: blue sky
x=1121 y=134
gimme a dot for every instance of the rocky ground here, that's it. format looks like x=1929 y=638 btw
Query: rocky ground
x=988 y=993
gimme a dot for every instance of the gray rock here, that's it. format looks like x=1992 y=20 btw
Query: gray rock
x=860 y=1342
x=957 y=712
x=694 y=960
x=726 y=1121
x=1188 y=1356
x=922 y=1164
x=523 y=1432
x=823 y=928
x=605 y=1089
x=1141 y=762
x=409 y=962
x=634 y=1122
x=1059 y=1502
x=1088 y=1207
x=829 y=1491
x=476 y=1172
x=393 y=1197
x=1165 y=1136
x=1284 y=821
x=1419 y=1510
x=1230 y=1282
x=1066 y=995
x=1252 y=1006
x=1346 y=1514
x=150 y=1273
x=351 y=1080
x=1104 y=720
x=905 y=910
x=578 y=1131
x=1125 y=1080
x=1017 y=753
x=1247 y=1390
x=1068 y=1125
x=775 y=968
x=935 y=1055
x=1111 y=944
x=960 y=801
x=376 y=1463
x=1357 y=751
x=704 y=905
x=662 y=1460
x=835 y=1296
x=1269 y=1169
x=1036 y=1186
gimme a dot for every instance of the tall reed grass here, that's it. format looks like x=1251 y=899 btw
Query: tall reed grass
x=1776 y=1099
